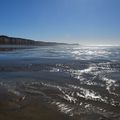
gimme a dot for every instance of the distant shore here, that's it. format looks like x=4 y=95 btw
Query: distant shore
x=5 y=40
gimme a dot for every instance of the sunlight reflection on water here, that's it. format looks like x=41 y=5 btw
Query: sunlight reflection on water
x=77 y=79
x=65 y=52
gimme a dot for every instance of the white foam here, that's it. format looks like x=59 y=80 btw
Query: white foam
x=68 y=97
x=54 y=70
x=88 y=94
x=109 y=83
x=64 y=108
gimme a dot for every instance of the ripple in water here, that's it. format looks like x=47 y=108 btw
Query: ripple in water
x=88 y=86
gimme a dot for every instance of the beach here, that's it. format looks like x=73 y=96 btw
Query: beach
x=60 y=82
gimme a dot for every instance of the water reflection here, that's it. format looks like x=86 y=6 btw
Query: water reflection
x=88 y=86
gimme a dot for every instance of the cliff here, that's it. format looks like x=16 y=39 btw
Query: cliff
x=5 y=40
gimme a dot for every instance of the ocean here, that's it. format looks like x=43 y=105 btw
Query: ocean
x=72 y=81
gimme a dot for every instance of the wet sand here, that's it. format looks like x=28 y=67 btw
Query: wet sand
x=31 y=108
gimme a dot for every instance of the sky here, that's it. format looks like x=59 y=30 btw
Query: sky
x=73 y=21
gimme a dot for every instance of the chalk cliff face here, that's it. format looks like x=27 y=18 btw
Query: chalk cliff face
x=5 y=40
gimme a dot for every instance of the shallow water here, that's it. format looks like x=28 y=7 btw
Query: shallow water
x=81 y=82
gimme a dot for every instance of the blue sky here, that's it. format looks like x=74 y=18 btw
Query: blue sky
x=81 y=21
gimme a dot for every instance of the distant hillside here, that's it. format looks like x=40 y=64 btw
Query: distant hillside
x=5 y=40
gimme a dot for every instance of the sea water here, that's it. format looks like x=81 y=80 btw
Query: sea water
x=82 y=81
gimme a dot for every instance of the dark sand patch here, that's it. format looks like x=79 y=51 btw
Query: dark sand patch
x=33 y=108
